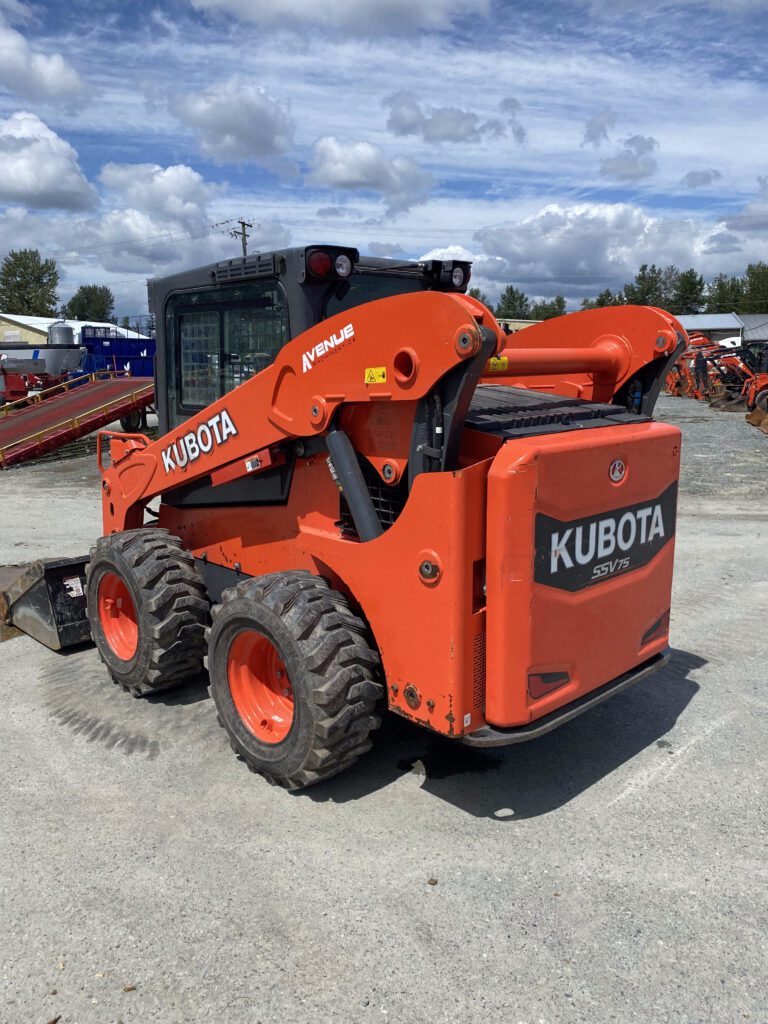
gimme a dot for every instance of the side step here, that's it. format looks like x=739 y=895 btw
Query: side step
x=47 y=601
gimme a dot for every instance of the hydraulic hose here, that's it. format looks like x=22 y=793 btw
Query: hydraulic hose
x=351 y=482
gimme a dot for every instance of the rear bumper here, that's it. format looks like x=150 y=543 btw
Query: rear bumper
x=488 y=736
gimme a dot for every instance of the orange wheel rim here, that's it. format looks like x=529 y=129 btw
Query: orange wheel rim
x=117 y=616
x=260 y=688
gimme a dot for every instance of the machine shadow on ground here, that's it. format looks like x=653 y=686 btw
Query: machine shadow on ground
x=504 y=783
x=528 y=779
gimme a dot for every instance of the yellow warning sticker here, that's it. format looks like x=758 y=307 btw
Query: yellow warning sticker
x=498 y=364
x=375 y=375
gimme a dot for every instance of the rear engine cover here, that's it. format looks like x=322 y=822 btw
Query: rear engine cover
x=580 y=549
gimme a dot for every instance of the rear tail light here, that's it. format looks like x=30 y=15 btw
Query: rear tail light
x=319 y=263
x=457 y=277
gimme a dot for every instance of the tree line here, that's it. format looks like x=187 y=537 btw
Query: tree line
x=29 y=285
x=681 y=292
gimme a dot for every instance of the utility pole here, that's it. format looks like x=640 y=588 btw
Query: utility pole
x=242 y=234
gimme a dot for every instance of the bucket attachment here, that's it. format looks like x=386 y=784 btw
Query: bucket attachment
x=47 y=601
x=729 y=403
x=758 y=418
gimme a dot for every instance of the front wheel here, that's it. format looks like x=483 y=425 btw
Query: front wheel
x=294 y=676
x=147 y=608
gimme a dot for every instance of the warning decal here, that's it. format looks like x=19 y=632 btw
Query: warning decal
x=498 y=364
x=375 y=375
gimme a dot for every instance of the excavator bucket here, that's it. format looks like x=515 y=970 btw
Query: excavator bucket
x=47 y=601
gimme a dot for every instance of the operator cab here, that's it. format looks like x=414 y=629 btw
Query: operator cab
x=219 y=325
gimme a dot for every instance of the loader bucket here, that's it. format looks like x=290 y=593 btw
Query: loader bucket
x=729 y=403
x=758 y=418
x=47 y=601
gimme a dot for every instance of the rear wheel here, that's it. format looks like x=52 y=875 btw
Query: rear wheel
x=294 y=676
x=132 y=421
x=147 y=609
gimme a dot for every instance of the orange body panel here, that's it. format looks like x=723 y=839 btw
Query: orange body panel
x=593 y=634
x=425 y=632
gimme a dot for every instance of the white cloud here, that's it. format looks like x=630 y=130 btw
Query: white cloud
x=512 y=108
x=33 y=75
x=449 y=252
x=754 y=216
x=174 y=193
x=700 y=179
x=348 y=16
x=236 y=121
x=435 y=125
x=634 y=161
x=585 y=247
x=385 y=249
x=16 y=11
x=597 y=127
x=363 y=166
x=38 y=168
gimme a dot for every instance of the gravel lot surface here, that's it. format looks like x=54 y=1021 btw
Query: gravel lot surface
x=614 y=870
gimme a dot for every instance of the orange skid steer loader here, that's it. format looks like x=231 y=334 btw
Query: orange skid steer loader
x=366 y=496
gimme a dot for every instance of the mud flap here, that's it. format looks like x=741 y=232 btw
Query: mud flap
x=47 y=601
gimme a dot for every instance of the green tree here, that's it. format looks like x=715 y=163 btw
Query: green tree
x=513 y=304
x=670 y=282
x=546 y=309
x=480 y=295
x=91 y=302
x=126 y=323
x=605 y=298
x=648 y=288
x=28 y=284
x=688 y=296
x=755 y=298
x=724 y=295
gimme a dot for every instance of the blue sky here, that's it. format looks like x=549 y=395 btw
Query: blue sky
x=559 y=144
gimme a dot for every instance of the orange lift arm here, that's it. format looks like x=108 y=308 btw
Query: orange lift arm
x=591 y=354
x=372 y=364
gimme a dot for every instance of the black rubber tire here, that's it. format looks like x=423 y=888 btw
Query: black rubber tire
x=131 y=422
x=171 y=604
x=333 y=667
x=761 y=402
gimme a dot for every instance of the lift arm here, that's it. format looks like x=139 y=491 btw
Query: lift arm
x=597 y=355
x=372 y=370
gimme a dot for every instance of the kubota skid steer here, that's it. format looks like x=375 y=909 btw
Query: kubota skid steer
x=370 y=497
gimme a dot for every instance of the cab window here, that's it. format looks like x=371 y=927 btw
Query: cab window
x=216 y=338
x=361 y=288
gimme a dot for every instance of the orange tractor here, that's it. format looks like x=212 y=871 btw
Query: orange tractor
x=722 y=378
x=366 y=497
x=756 y=392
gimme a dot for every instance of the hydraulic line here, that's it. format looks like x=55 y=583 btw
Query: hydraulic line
x=351 y=482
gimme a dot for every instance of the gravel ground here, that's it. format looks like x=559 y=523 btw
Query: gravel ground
x=614 y=870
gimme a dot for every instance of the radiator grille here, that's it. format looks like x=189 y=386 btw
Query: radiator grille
x=478 y=688
x=388 y=501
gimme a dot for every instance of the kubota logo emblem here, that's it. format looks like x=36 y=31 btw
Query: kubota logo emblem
x=199 y=441
x=617 y=471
